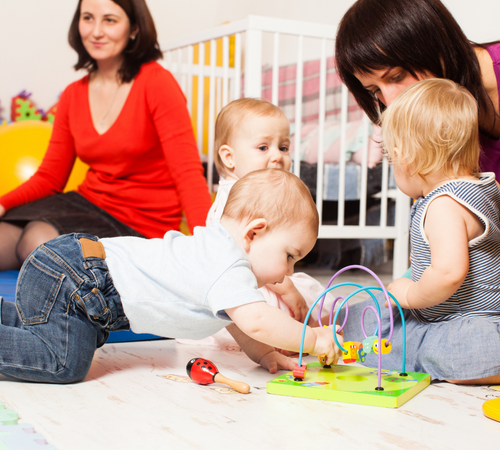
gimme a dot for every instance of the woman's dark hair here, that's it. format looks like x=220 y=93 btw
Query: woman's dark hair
x=144 y=48
x=417 y=35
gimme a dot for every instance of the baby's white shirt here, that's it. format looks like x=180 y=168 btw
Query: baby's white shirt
x=180 y=286
x=220 y=201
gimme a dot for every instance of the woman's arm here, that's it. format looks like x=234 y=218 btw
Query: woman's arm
x=447 y=225
x=173 y=125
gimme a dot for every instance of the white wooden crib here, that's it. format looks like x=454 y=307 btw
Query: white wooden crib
x=239 y=59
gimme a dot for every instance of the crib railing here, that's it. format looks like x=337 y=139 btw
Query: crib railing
x=218 y=65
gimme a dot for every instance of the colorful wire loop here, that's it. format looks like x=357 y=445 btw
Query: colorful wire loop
x=376 y=310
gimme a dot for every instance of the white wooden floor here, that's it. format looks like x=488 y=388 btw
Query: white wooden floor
x=124 y=403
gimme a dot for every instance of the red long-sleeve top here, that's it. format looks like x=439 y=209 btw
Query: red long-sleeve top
x=144 y=170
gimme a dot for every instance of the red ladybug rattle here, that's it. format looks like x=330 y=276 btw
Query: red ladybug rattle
x=203 y=371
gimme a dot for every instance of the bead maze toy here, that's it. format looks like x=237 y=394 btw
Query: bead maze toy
x=203 y=371
x=353 y=384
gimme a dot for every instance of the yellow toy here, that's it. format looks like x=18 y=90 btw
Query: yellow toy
x=386 y=348
x=491 y=409
x=22 y=147
x=322 y=360
x=352 y=351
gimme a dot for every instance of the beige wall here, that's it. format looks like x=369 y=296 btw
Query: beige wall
x=34 y=54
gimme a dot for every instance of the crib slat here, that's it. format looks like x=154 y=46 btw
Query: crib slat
x=169 y=61
x=253 y=63
x=364 y=174
x=189 y=92
x=298 y=105
x=321 y=130
x=383 y=200
x=402 y=227
x=237 y=66
x=343 y=145
x=178 y=68
x=276 y=69
x=211 y=113
x=201 y=96
x=218 y=95
x=225 y=70
x=182 y=74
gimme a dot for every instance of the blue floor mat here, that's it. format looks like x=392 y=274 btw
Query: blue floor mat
x=8 y=281
x=8 y=284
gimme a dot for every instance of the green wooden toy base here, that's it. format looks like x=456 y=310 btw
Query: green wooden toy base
x=351 y=384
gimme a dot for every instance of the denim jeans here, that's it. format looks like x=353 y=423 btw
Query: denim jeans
x=66 y=305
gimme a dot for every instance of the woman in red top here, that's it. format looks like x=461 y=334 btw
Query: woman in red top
x=127 y=119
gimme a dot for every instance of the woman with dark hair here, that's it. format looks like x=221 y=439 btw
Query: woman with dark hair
x=382 y=46
x=127 y=119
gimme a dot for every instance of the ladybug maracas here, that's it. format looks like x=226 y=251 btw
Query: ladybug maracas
x=203 y=371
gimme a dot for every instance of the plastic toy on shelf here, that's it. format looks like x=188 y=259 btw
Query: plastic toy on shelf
x=345 y=382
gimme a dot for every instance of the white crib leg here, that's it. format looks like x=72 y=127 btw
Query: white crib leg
x=401 y=242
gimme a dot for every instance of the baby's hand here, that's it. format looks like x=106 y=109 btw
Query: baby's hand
x=325 y=344
x=295 y=301
x=288 y=352
x=274 y=361
x=399 y=288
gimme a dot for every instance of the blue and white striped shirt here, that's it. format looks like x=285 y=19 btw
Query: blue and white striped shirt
x=479 y=294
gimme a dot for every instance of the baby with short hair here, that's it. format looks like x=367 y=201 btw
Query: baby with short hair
x=451 y=304
x=252 y=134
x=74 y=290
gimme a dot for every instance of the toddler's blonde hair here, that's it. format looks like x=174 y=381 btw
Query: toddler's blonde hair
x=276 y=195
x=434 y=125
x=231 y=116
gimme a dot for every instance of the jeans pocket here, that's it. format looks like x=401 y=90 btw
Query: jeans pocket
x=37 y=290
x=94 y=306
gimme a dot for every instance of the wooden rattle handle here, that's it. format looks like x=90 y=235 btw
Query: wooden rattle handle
x=236 y=385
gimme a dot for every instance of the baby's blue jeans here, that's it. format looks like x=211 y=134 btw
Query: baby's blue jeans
x=66 y=305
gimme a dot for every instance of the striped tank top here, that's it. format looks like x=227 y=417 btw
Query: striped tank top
x=479 y=294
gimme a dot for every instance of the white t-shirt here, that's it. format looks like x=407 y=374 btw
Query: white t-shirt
x=309 y=287
x=220 y=201
x=180 y=286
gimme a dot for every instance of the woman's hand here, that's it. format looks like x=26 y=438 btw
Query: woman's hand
x=2 y=210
